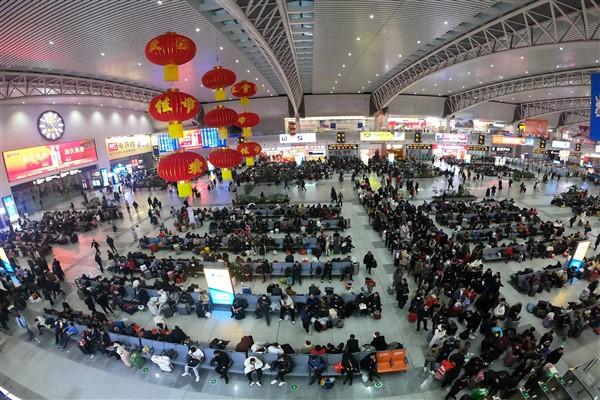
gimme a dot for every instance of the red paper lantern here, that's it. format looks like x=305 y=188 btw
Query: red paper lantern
x=220 y=117
x=170 y=50
x=243 y=90
x=218 y=79
x=173 y=107
x=181 y=166
x=249 y=149
x=246 y=121
x=225 y=158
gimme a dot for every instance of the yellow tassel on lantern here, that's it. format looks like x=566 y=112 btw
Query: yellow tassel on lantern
x=220 y=94
x=175 y=130
x=249 y=161
x=226 y=174
x=247 y=132
x=184 y=189
x=171 y=73
x=223 y=133
x=244 y=101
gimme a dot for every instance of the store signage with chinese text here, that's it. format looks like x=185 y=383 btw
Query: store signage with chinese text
x=125 y=146
x=501 y=149
x=39 y=160
x=512 y=140
x=559 y=144
x=382 y=136
x=451 y=137
x=310 y=137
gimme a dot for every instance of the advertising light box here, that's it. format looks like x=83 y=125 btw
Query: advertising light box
x=382 y=136
x=125 y=146
x=508 y=140
x=219 y=285
x=33 y=161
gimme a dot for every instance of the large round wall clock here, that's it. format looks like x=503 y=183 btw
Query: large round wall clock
x=51 y=125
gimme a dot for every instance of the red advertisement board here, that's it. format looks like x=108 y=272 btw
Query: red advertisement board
x=536 y=127
x=34 y=161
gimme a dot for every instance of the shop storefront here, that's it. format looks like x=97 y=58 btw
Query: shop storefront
x=478 y=151
x=421 y=152
x=127 y=155
x=295 y=153
x=452 y=145
x=342 y=150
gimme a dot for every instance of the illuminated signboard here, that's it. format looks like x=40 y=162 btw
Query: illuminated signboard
x=219 y=285
x=452 y=137
x=210 y=138
x=509 y=140
x=192 y=139
x=33 y=161
x=559 y=144
x=5 y=263
x=125 y=146
x=381 y=136
x=11 y=208
x=501 y=149
x=310 y=137
x=577 y=260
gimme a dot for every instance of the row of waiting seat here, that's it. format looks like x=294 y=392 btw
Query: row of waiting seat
x=387 y=361
x=286 y=225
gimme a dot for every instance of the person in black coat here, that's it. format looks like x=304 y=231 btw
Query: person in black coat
x=379 y=342
x=351 y=367
x=555 y=355
x=263 y=308
x=369 y=365
x=402 y=293
x=221 y=362
x=352 y=345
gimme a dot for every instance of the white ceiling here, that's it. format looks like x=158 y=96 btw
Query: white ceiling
x=71 y=36
x=396 y=28
x=507 y=65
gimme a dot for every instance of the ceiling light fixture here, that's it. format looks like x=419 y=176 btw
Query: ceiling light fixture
x=22 y=102
x=368 y=81
x=512 y=98
x=53 y=102
x=159 y=2
x=549 y=94
x=526 y=72
x=376 y=74
x=197 y=29
x=418 y=42
x=435 y=84
x=335 y=82
x=79 y=103
x=399 y=55
x=333 y=88
x=349 y=54
x=362 y=87
x=256 y=79
x=102 y=54
x=445 y=22
x=522 y=57
x=463 y=87
x=268 y=91
x=359 y=91
x=343 y=65
x=237 y=61
x=339 y=74
x=491 y=65
x=422 y=90
x=480 y=82
x=263 y=85
x=139 y=64
x=449 y=79
x=51 y=43
x=386 y=66
x=561 y=49
x=220 y=47
x=371 y=16
x=186 y=79
x=101 y=105
x=248 y=71
x=357 y=38
x=469 y=73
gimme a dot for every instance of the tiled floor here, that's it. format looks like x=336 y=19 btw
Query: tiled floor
x=39 y=370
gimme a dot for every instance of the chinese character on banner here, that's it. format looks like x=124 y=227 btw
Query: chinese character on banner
x=188 y=103
x=163 y=106
x=195 y=167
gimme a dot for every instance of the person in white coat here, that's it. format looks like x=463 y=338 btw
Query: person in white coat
x=123 y=353
x=253 y=370
x=194 y=358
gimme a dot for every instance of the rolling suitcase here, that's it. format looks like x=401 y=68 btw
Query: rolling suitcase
x=167 y=311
